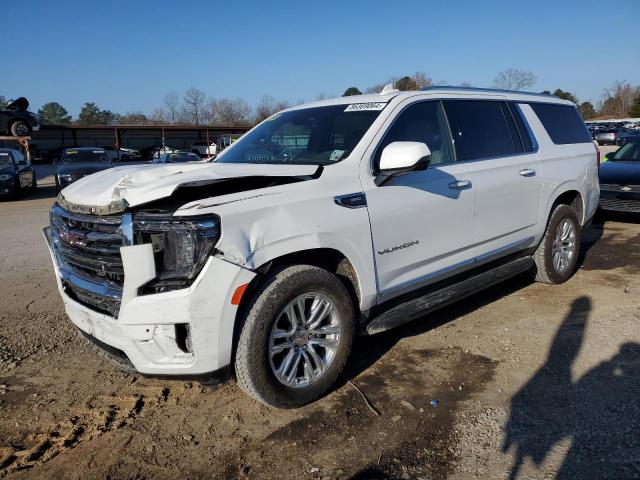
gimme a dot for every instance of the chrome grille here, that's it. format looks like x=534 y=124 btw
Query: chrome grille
x=609 y=187
x=87 y=250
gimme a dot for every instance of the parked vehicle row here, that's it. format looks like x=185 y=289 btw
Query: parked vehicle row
x=16 y=173
x=348 y=215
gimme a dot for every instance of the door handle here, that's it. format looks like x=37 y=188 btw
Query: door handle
x=460 y=185
x=527 y=172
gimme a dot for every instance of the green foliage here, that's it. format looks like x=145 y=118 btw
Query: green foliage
x=91 y=114
x=566 y=95
x=351 y=91
x=52 y=113
x=587 y=110
x=634 y=111
x=3 y=102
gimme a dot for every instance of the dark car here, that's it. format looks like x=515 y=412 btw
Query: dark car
x=76 y=163
x=627 y=136
x=16 y=121
x=177 y=157
x=620 y=179
x=16 y=173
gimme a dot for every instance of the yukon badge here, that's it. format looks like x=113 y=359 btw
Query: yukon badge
x=398 y=247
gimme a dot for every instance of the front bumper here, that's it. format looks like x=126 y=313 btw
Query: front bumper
x=620 y=201
x=146 y=328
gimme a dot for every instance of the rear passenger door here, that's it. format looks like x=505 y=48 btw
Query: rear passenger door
x=506 y=179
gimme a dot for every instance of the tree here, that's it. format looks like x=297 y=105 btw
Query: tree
x=617 y=99
x=231 y=112
x=466 y=84
x=351 y=91
x=514 y=79
x=52 y=113
x=3 y=102
x=586 y=110
x=133 y=118
x=634 y=111
x=566 y=95
x=267 y=107
x=406 y=83
x=91 y=114
x=172 y=104
x=194 y=99
x=160 y=116
x=421 y=80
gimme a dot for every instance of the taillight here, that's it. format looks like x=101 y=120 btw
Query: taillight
x=597 y=157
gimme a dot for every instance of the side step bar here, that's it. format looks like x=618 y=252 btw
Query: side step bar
x=417 y=307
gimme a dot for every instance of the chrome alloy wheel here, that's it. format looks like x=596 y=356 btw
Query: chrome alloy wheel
x=564 y=246
x=304 y=340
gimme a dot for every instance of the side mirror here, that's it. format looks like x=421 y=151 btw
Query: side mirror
x=609 y=155
x=400 y=157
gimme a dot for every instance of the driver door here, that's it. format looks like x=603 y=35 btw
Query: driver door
x=422 y=222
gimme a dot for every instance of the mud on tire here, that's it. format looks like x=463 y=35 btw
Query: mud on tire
x=254 y=364
x=546 y=269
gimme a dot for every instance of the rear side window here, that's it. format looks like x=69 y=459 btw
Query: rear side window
x=480 y=129
x=562 y=123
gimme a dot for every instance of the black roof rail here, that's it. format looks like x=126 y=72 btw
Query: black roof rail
x=489 y=90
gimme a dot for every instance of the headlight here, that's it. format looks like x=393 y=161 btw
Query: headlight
x=181 y=246
x=4 y=177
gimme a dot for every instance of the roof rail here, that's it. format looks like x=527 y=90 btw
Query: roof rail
x=479 y=89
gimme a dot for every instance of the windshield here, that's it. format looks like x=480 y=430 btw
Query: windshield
x=5 y=159
x=309 y=136
x=84 y=156
x=629 y=153
x=181 y=157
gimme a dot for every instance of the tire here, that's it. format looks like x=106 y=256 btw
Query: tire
x=20 y=129
x=256 y=365
x=555 y=243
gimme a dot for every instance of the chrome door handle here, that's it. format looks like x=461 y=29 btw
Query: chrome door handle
x=460 y=185
x=527 y=172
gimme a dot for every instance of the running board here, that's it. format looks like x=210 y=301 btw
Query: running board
x=417 y=307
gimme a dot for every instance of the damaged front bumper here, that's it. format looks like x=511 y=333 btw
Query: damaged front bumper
x=180 y=332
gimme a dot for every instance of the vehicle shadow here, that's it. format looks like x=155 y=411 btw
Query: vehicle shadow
x=599 y=412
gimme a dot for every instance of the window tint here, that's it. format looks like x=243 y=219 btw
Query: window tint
x=421 y=122
x=479 y=129
x=523 y=131
x=562 y=123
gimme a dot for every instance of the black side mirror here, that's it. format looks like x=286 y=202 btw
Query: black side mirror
x=609 y=155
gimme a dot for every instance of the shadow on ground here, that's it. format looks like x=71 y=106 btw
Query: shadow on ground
x=599 y=412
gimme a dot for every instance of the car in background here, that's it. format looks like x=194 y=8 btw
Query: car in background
x=610 y=136
x=121 y=154
x=627 y=136
x=204 y=150
x=620 y=179
x=76 y=163
x=16 y=120
x=151 y=152
x=177 y=157
x=16 y=173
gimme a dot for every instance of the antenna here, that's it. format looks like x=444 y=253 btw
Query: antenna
x=388 y=89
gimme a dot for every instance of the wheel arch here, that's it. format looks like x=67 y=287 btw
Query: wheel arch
x=567 y=194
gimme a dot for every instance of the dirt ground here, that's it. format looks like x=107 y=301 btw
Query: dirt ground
x=521 y=381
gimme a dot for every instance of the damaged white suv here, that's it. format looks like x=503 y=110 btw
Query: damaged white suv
x=344 y=216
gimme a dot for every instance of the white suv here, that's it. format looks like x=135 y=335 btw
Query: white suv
x=343 y=216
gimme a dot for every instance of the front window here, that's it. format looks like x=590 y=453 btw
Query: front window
x=84 y=156
x=629 y=153
x=309 y=136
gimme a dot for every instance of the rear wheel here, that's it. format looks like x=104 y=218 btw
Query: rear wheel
x=20 y=129
x=296 y=338
x=557 y=255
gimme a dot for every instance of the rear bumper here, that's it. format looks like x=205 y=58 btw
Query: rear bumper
x=149 y=327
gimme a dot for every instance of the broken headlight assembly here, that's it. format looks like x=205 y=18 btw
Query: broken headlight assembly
x=181 y=247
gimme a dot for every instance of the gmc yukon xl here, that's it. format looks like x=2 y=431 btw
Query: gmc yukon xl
x=344 y=216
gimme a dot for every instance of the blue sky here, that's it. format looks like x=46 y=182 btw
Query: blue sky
x=125 y=55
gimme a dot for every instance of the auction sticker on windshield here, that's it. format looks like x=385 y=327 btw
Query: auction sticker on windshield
x=358 y=107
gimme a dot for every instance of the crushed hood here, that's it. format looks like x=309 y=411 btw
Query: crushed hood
x=140 y=184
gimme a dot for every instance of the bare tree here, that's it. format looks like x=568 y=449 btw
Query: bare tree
x=231 y=112
x=618 y=98
x=421 y=80
x=514 y=79
x=172 y=104
x=194 y=99
x=160 y=116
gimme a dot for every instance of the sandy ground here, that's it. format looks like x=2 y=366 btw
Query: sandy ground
x=521 y=381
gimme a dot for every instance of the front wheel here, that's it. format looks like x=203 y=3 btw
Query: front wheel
x=20 y=129
x=557 y=255
x=296 y=337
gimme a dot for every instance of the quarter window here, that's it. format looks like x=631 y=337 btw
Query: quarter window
x=480 y=129
x=562 y=122
x=421 y=122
